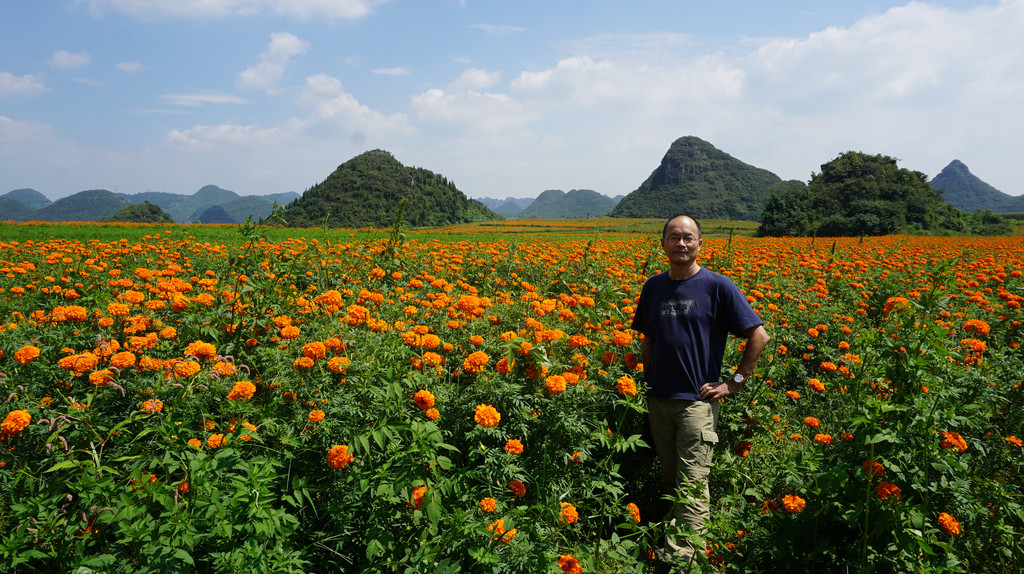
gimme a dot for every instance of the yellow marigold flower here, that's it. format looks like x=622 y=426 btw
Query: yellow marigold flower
x=215 y=441
x=514 y=446
x=15 y=422
x=316 y=416
x=555 y=384
x=339 y=457
x=569 y=514
x=486 y=416
x=475 y=362
x=634 y=512
x=569 y=564
x=949 y=524
x=626 y=386
x=26 y=354
x=152 y=406
x=488 y=505
x=242 y=390
x=793 y=503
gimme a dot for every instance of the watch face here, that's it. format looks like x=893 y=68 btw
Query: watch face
x=737 y=378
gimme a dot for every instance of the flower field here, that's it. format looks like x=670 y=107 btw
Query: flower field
x=391 y=402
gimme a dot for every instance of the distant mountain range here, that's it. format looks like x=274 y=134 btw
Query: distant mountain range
x=693 y=177
x=210 y=204
x=554 y=204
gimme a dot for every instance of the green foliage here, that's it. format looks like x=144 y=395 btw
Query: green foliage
x=91 y=205
x=698 y=179
x=859 y=194
x=141 y=213
x=366 y=190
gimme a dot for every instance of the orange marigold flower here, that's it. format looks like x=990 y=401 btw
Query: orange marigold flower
x=621 y=338
x=215 y=441
x=634 y=512
x=488 y=505
x=101 y=377
x=316 y=416
x=793 y=503
x=152 y=406
x=289 y=332
x=339 y=457
x=26 y=354
x=417 y=496
x=569 y=514
x=825 y=439
x=812 y=422
x=626 y=386
x=555 y=384
x=873 y=468
x=338 y=364
x=953 y=441
x=497 y=528
x=201 y=350
x=302 y=363
x=505 y=366
x=949 y=524
x=424 y=399
x=242 y=390
x=977 y=326
x=122 y=360
x=15 y=422
x=433 y=414
x=185 y=368
x=513 y=446
x=792 y=395
x=431 y=359
x=886 y=489
x=518 y=488
x=486 y=416
x=1013 y=440
x=829 y=367
x=314 y=350
x=475 y=362
x=569 y=564
x=817 y=385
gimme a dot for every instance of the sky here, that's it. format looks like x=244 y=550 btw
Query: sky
x=505 y=99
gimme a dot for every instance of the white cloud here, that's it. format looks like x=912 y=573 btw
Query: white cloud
x=466 y=106
x=65 y=59
x=205 y=9
x=266 y=74
x=392 y=71
x=197 y=99
x=130 y=67
x=27 y=85
x=499 y=30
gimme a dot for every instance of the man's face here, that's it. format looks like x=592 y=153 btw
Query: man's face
x=681 y=241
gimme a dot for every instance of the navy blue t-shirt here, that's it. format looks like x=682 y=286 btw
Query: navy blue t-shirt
x=688 y=323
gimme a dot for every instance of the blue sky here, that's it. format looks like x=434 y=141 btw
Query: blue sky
x=502 y=98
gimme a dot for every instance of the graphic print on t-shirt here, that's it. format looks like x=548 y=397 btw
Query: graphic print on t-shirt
x=676 y=308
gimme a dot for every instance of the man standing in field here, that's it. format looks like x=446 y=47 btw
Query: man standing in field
x=686 y=315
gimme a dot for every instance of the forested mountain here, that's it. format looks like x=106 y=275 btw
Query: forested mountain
x=859 y=194
x=144 y=212
x=13 y=210
x=90 y=205
x=508 y=207
x=30 y=198
x=696 y=178
x=578 y=203
x=367 y=190
x=963 y=190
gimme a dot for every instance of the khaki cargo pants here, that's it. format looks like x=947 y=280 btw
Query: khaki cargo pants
x=685 y=438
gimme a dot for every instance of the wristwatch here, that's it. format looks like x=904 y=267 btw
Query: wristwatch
x=738 y=379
